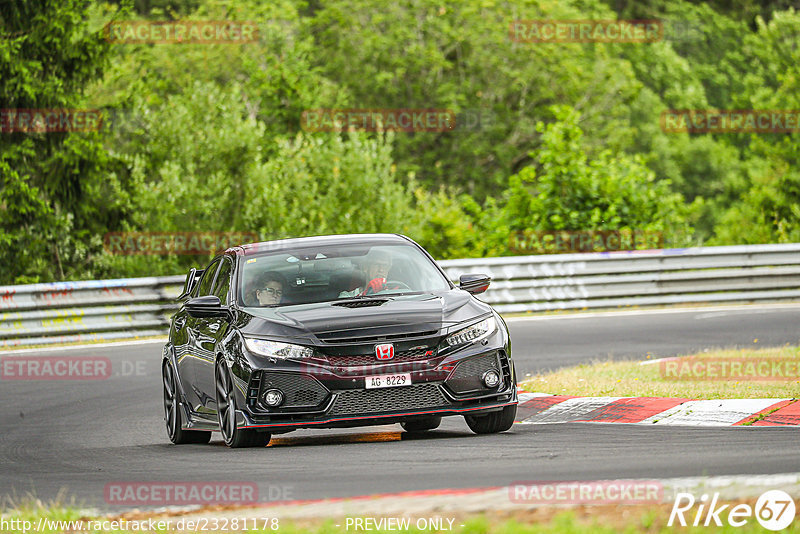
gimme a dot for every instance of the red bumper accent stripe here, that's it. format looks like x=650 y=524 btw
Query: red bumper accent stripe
x=539 y=404
x=631 y=410
x=383 y=416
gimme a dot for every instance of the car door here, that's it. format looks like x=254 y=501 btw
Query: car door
x=210 y=331
x=183 y=342
x=201 y=350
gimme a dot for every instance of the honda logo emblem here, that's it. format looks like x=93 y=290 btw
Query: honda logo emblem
x=384 y=351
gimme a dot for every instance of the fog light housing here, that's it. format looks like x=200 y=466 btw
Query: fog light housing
x=273 y=397
x=491 y=378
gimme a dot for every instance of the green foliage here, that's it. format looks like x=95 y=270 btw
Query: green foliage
x=188 y=161
x=51 y=184
x=570 y=191
x=768 y=208
x=769 y=212
x=446 y=229
x=198 y=162
x=458 y=55
x=326 y=184
x=207 y=137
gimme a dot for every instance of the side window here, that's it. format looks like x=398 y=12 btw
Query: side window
x=205 y=284
x=223 y=284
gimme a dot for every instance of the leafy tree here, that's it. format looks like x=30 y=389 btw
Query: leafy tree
x=324 y=183
x=54 y=194
x=197 y=164
x=556 y=136
x=277 y=72
x=459 y=55
x=566 y=190
x=445 y=228
x=769 y=207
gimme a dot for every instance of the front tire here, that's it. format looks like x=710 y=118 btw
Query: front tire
x=233 y=436
x=494 y=422
x=421 y=424
x=172 y=412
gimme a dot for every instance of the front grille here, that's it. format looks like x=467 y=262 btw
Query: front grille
x=475 y=366
x=299 y=391
x=344 y=336
x=466 y=377
x=370 y=359
x=413 y=397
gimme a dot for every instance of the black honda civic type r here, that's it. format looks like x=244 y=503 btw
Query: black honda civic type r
x=332 y=331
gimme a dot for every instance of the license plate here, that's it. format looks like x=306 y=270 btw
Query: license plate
x=388 y=381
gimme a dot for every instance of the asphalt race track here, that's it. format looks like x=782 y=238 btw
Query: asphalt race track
x=81 y=435
x=572 y=339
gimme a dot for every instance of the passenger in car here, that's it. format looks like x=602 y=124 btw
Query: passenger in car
x=270 y=288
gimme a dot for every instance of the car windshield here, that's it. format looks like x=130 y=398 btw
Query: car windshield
x=329 y=273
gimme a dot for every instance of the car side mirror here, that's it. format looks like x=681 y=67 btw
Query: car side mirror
x=474 y=283
x=207 y=306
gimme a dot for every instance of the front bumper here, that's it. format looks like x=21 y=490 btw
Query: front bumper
x=320 y=397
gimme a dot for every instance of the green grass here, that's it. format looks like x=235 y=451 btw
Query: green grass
x=632 y=379
x=31 y=509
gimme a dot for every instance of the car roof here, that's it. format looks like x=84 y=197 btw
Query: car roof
x=315 y=241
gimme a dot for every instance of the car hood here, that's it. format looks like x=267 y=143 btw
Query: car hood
x=330 y=322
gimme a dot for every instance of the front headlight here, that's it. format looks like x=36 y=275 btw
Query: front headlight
x=473 y=332
x=276 y=349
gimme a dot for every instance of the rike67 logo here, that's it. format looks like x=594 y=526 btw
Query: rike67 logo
x=774 y=510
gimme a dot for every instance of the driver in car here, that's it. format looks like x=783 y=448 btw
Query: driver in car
x=377 y=269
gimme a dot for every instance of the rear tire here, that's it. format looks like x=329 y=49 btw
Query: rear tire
x=421 y=424
x=493 y=422
x=233 y=436
x=172 y=412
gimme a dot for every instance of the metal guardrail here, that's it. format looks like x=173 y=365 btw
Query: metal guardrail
x=93 y=310
x=137 y=307
x=744 y=273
